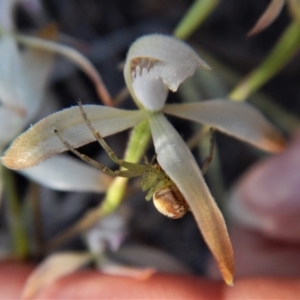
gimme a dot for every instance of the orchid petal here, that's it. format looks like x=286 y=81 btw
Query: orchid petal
x=109 y=233
x=11 y=124
x=11 y=73
x=7 y=8
x=74 y=176
x=37 y=65
x=22 y=81
x=166 y=59
x=268 y=17
x=6 y=14
x=116 y=269
x=53 y=268
x=151 y=91
x=178 y=162
x=40 y=142
x=237 y=119
x=140 y=255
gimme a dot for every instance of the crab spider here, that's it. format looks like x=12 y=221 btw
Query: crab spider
x=167 y=198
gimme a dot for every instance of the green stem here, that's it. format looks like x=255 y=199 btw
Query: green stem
x=137 y=145
x=194 y=17
x=282 y=53
x=20 y=241
x=32 y=212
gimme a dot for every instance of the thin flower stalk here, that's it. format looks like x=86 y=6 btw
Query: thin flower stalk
x=16 y=222
x=285 y=49
x=194 y=17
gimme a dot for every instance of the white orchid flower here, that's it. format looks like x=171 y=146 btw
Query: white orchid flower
x=23 y=77
x=22 y=82
x=155 y=64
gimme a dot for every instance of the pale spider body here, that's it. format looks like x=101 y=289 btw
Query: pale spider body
x=167 y=198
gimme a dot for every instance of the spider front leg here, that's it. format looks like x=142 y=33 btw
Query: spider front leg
x=122 y=173
x=134 y=169
x=98 y=136
x=86 y=158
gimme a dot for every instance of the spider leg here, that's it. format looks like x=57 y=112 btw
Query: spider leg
x=137 y=169
x=153 y=159
x=145 y=158
x=94 y=163
x=209 y=157
x=98 y=136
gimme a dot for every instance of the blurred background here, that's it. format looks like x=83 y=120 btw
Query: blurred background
x=103 y=31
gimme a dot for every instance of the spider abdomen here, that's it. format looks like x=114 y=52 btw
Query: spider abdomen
x=170 y=202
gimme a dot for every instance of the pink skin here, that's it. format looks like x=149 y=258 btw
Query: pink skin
x=265 y=208
x=93 y=285
x=271 y=192
x=267 y=250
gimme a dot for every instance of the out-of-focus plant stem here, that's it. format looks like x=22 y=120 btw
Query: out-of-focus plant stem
x=137 y=145
x=32 y=212
x=17 y=228
x=194 y=17
x=294 y=9
x=282 y=53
